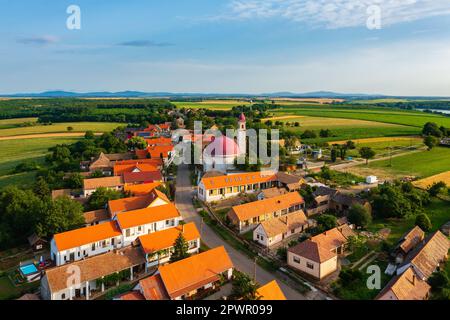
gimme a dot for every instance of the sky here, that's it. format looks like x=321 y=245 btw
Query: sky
x=393 y=47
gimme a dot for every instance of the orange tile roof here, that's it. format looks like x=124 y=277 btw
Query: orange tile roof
x=165 y=239
x=148 y=215
x=411 y=239
x=434 y=251
x=191 y=273
x=313 y=251
x=87 y=235
x=234 y=180
x=140 y=167
x=254 y=209
x=131 y=296
x=157 y=162
x=276 y=226
x=95 y=216
x=153 y=288
x=156 y=151
x=270 y=291
x=159 y=141
x=407 y=286
x=330 y=239
x=141 y=189
x=106 y=182
x=129 y=204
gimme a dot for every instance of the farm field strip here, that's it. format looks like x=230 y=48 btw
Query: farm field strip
x=388 y=140
x=425 y=183
x=61 y=128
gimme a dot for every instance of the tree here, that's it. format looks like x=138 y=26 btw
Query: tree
x=431 y=129
x=326 y=222
x=325 y=133
x=100 y=198
x=74 y=181
x=180 y=249
x=424 y=222
x=244 y=286
x=69 y=128
x=430 y=142
x=436 y=188
x=333 y=155
x=350 y=145
x=136 y=143
x=309 y=134
x=60 y=215
x=359 y=216
x=89 y=135
x=367 y=153
x=41 y=188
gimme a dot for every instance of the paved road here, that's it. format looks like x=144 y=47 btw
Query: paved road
x=183 y=201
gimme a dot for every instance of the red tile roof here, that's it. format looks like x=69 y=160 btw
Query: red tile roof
x=142 y=177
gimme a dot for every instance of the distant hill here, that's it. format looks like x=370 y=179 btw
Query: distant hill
x=140 y=94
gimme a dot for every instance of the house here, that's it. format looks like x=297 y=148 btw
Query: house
x=154 y=130
x=331 y=199
x=273 y=231
x=105 y=162
x=158 y=246
x=91 y=185
x=92 y=218
x=247 y=216
x=153 y=199
x=85 y=242
x=270 y=291
x=141 y=189
x=189 y=277
x=227 y=186
x=289 y=181
x=132 y=178
x=144 y=221
x=318 y=256
x=408 y=242
x=130 y=296
x=427 y=256
x=271 y=192
x=80 y=279
x=36 y=242
x=407 y=286
x=120 y=169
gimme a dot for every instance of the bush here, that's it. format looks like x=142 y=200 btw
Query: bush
x=423 y=222
x=359 y=216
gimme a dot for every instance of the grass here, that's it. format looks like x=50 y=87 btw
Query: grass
x=420 y=164
x=14 y=123
x=211 y=104
x=8 y=291
x=385 y=115
x=17 y=151
x=60 y=127
x=437 y=211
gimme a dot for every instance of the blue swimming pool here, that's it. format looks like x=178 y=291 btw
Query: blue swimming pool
x=28 y=269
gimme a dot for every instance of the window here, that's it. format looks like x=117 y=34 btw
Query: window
x=93 y=247
x=127 y=233
x=296 y=260
x=63 y=296
x=310 y=265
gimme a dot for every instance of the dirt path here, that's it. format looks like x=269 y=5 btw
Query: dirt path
x=47 y=135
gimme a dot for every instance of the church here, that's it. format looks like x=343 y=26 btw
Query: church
x=221 y=153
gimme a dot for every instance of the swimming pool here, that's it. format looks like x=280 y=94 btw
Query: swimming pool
x=28 y=269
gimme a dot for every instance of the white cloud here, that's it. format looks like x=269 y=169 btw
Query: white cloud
x=337 y=13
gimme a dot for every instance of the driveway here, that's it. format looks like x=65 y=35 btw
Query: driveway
x=183 y=201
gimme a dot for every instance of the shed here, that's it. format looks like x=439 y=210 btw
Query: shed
x=36 y=242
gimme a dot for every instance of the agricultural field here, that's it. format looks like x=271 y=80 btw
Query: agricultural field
x=346 y=129
x=393 y=116
x=17 y=151
x=421 y=164
x=15 y=129
x=427 y=182
x=14 y=123
x=212 y=104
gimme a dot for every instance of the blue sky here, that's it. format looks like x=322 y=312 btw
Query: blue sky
x=226 y=46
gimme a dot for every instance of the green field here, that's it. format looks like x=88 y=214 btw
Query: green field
x=385 y=115
x=419 y=164
x=14 y=123
x=54 y=128
x=17 y=151
x=211 y=104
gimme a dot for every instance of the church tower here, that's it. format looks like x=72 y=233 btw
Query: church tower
x=242 y=134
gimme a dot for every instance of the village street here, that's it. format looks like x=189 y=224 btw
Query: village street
x=183 y=201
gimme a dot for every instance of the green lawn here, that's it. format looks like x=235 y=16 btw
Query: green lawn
x=60 y=127
x=8 y=291
x=421 y=164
